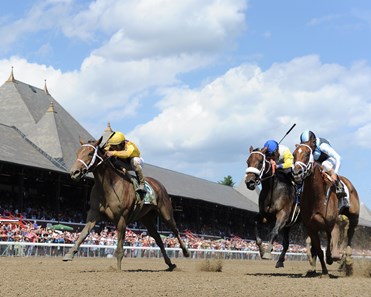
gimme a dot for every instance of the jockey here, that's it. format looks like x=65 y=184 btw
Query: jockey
x=325 y=154
x=279 y=156
x=126 y=150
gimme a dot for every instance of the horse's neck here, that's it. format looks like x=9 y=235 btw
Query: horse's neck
x=267 y=179
x=315 y=183
x=105 y=175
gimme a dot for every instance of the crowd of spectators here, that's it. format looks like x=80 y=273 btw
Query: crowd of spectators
x=29 y=229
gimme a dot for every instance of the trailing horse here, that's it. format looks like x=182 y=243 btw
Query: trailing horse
x=113 y=197
x=277 y=202
x=319 y=209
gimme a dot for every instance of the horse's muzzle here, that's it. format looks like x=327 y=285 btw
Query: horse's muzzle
x=298 y=176
x=250 y=182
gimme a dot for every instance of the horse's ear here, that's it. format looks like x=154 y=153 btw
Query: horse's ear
x=264 y=150
x=251 y=148
x=99 y=141
x=296 y=145
x=81 y=141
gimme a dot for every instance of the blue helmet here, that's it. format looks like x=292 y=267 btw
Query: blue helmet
x=272 y=146
x=306 y=136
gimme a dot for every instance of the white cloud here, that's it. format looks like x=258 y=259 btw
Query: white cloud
x=43 y=15
x=246 y=106
x=143 y=29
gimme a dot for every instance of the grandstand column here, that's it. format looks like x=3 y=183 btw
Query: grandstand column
x=21 y=191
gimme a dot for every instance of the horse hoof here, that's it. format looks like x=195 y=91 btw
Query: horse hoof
x=67 y=258
x=348 y=270
x=267 y=256
x=171 y=267
x=329 y=260
x=279 y=265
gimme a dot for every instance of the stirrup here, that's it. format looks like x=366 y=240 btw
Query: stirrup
x=141 y=189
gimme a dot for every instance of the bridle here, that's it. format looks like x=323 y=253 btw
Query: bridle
x=259 y=172
x=306 y=168
x=88 y=167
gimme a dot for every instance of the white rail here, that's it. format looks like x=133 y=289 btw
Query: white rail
x=29 y=249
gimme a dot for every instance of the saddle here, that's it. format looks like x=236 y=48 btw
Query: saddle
x=344 y=201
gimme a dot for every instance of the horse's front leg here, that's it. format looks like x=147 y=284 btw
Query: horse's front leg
x=257 y=227
x=92 y=218
x=119 y=253
x=332 y=252
x=285 y=245
x=281 y=219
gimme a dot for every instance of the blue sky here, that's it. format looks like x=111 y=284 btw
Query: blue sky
x=195 y=83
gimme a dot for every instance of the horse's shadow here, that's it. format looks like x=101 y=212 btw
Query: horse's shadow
x=292 y=275
x=145 y=270
x=126 y=271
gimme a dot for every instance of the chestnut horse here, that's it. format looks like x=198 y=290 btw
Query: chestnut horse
x=319 y=209
x=277 y=202
x=113 y=197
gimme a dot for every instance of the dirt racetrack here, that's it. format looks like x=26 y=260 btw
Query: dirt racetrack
x=50 y=276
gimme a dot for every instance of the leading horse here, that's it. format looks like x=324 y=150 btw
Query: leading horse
x=113 y=197
x=319 y=209
x=277 y=202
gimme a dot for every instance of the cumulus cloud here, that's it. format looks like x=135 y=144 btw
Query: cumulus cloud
x=144 y=29
x=143 y=45
x=217 y=123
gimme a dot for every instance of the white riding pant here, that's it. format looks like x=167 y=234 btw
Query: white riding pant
x=136 y=163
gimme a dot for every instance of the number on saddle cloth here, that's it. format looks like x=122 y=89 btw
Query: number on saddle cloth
x=150 y=195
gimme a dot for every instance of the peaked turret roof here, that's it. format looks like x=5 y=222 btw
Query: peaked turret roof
x=41 y=119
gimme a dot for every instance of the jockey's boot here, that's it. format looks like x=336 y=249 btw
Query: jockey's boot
x=340 y=191
x=141 y=189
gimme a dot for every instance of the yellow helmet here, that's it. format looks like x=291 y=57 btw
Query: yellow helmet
x=116 y=138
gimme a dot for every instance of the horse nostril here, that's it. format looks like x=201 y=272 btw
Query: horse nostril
x=74 y=173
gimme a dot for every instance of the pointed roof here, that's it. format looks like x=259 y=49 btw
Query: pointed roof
x=41 y=119
x=253 y=196
x=46 y=88
x=11 y=76
x=106 y=133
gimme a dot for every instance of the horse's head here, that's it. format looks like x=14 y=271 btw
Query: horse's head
x=303 y=162
x=88 y=158
x=257 y=165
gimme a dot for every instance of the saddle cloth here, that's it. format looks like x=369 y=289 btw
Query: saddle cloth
x=150 y=195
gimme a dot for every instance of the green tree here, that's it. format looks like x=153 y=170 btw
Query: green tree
x=228 y=181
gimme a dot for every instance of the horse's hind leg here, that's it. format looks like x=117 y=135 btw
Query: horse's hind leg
x=169 y=221
x=348 y=257
x=149 y=222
